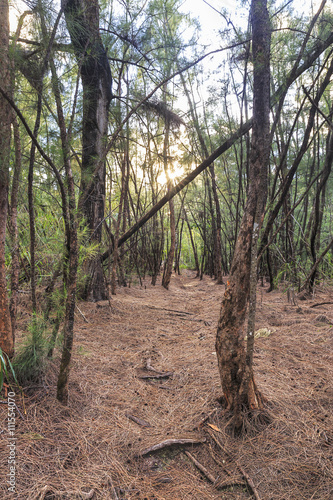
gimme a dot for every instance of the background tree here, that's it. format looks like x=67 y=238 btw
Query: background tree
x=6 y=332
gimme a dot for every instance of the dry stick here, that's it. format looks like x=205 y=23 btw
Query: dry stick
x=46 y=489
x=137 y=420
x=168 y=443
x=245 y=474
x=156 y=375
x=83 y=316
x=319 y=304
x=218 y=462
x=169 y=310
x=201 y=468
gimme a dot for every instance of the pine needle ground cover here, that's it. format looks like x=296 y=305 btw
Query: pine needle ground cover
x=144 y=419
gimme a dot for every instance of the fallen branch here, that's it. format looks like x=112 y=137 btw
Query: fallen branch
x=320 y=304
x=138 y=420
x=201 y=468
x=247 y=478
x=229 y=484
x=168 y=443
x=249 y=481
x=156 y=375
x=83 y=316
x=170 y=310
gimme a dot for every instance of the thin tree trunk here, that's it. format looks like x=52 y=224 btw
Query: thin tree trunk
x=72 y=249
x=195 y=254
x=315 y=233
x=13 y=229
x=235 y=360
x=120 y=213
x=171 y=255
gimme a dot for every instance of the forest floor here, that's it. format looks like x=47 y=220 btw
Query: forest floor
x=119 y=407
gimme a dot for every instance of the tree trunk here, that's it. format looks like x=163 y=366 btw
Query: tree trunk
x=168 y=270
x=124 y=172
x=13 y=229
x=315 y=233
x=72 y=249
x=195 y=254
x=6 y=334
x=235 y=359
x=82 y=18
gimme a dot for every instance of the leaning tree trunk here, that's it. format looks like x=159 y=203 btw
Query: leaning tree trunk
x=82 y=18
x=6 y=334
x=235 y=357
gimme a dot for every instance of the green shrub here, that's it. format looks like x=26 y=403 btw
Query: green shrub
x=31 y=358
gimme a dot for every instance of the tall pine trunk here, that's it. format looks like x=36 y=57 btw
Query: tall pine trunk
x=82 y=18
x=6 y=334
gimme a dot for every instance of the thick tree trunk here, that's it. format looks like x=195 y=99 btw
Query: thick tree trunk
x=235 y=358
x=82 y=18
x=6 y=334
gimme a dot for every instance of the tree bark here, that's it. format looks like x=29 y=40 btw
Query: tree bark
x=6 y=334
x=13 y=229
x=171 y=255
x=82 y=18
x=235 y=359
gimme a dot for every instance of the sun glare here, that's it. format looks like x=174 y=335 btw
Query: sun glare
x=15 y=10
x=176 y=172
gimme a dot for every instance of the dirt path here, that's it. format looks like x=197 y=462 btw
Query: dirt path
x=119 y=406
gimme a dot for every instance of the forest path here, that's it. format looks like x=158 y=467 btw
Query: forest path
x=119 y=406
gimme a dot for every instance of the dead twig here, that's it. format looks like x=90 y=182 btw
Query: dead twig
x=249 y=481
x=229 y=484
x=218 y=462
x=170 y=442
x=83 y=316
x=137 y=420
x=156 y=375
x=201 y=468
x=320 y=304
x=247 y=478
x=70 y=494
x=170 y=310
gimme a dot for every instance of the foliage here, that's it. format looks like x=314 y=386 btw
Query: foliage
x=6 y=369
x=31 y=357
